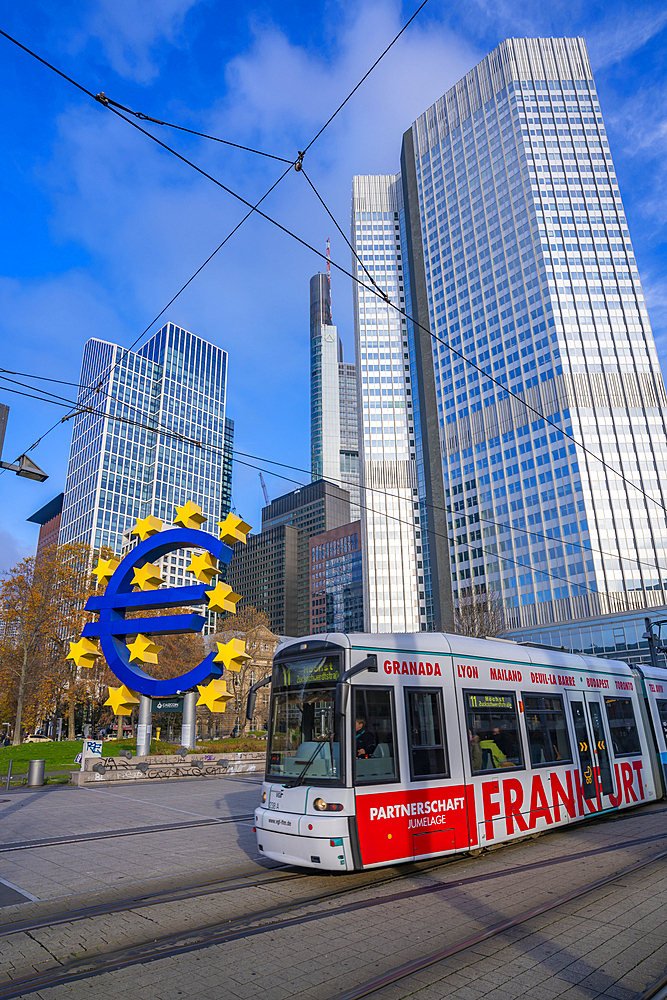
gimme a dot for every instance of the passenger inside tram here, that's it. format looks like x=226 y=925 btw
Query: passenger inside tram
x=366 y=740
x=494 y=731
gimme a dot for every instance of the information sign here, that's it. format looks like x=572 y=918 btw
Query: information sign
x=167 y=704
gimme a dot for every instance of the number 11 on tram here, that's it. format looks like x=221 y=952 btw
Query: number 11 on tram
x=387 y=748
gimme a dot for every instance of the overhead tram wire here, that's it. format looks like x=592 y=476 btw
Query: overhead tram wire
x=297 y=165
x=103 y=99
x=397 y=308
x=167 y=432
x=163 y=431
x=364 y=77
x=385 y=298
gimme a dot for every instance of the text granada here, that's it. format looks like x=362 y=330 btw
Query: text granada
x=412 y=667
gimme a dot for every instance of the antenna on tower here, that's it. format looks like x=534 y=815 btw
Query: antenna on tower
x=329 y=276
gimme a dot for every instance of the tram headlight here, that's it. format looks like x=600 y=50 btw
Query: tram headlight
x=323 y=806
x=263 y=797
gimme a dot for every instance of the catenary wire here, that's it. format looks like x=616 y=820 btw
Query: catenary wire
x=503 y=558
x=296 y=163
x=333 y=219
x=402 y=312
x=103 y=99
x=384 y=296
x=364 y=77
x=491 y=378
x=163 y=431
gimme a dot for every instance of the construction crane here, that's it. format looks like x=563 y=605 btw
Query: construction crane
x=264 y=490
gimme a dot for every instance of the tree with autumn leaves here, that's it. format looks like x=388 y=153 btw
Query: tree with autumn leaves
x=41 y=610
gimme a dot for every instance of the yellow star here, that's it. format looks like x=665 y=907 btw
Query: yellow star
x=147 y=577
x=147 y=526
x=222 y=598
x=214 y=695
x=105 y=569
x=190 y=515
x=143 y=650
x=232 y=654
x=204 y=567
x=122 y=700
x=233 y=529
x=84 y=652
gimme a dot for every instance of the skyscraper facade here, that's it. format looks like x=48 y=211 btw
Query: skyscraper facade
x=521 y=270
x=392 y=536
x=155 y=439
x=333 y=399
x=336 y=580
x=272 y=571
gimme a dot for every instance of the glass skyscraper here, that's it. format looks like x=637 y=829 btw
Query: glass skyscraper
x=333 y=399
x=157 y=437
x=520 y=259
x=392 y=538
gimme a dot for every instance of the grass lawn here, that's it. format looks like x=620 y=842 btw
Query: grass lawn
x=59 y=757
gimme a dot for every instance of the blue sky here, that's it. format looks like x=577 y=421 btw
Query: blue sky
x=100 y=227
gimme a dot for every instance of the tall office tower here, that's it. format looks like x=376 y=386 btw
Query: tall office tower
x=48 y=518
x=156 y=438
x=336 y=580
x=333 y=399
x=392 y=536
x=264 y=571
x=521 y=264
x=312 y=509
x=272 y=571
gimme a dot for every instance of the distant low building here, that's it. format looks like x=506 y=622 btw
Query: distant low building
x=261 y=644
x=336 y=580
x=48 y=518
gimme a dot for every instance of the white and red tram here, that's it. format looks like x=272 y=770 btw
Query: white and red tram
x=389 y=748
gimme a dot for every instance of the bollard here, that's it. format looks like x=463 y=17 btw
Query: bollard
x=144 y=726
x=9 y=774
x=189 y=720
x=36 y=773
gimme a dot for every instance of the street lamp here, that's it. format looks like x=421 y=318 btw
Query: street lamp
x=24 y=466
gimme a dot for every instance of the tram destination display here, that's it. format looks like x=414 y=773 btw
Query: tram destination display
x=298 y=673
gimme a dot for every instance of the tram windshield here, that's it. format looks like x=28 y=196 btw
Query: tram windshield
x=304 y=743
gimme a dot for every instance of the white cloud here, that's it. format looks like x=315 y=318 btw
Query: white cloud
x=631 y=29
x=130 y=30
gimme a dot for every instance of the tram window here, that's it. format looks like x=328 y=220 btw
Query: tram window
x=622 y=725
x=375 y=745
x=493 y=731
x=662 y=712
x=547 y=729
x=426 y=732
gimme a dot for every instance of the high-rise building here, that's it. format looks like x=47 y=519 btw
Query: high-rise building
x=156 y=437
x=333 y=399
x=264 y=572
x=520 y=262
x=272 y=571
x=336 y=581
x=392 y=534
x=48 y=519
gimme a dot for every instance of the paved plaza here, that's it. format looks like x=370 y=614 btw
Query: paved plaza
x=610 y=943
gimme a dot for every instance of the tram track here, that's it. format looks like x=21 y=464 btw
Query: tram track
x=418 y=965
x=132 y=831
x=216 y=887
x=275 y=918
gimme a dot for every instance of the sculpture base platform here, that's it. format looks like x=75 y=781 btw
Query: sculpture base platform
x=166 y=767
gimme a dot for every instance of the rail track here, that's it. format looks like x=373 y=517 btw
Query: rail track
x=278 y=917
x=131 y=831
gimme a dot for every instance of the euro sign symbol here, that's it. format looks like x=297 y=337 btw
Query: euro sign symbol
x=113 y=627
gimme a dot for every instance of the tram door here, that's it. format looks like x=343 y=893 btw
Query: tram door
x=597 y=780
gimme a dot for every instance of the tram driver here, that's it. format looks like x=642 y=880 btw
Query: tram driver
x=366 y=741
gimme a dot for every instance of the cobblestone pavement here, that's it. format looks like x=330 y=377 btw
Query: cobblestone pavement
x=610 y=943
x=80 y=867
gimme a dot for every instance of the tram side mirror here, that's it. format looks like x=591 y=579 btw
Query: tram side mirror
x=342 y=698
